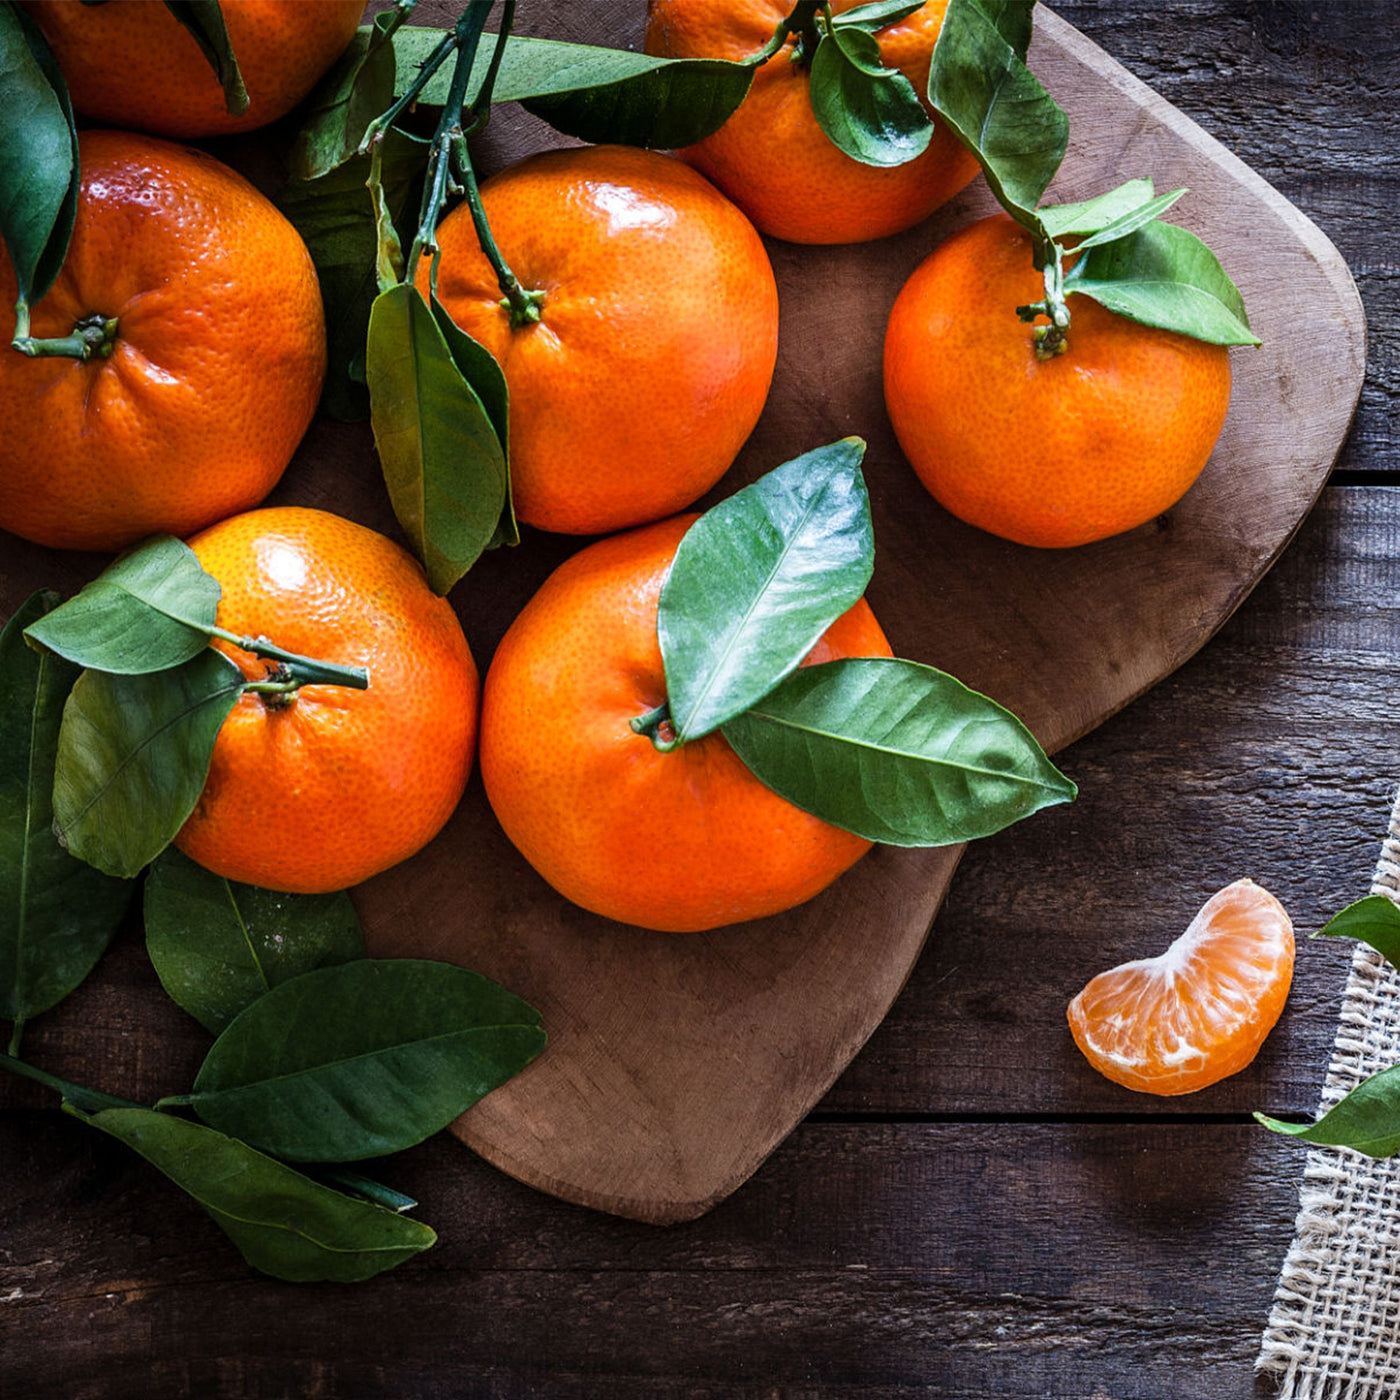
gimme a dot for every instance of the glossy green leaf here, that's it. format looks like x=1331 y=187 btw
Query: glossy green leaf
x=284 y=1223
x=205 y=22
x=39 y=177
x=335 y=216
x=442 y=461
x=596 y=94
x=1165 y=276
x=363 y=1059
x=869 y=112
x=217 y=945
x=876 y=15
x=896 y=752
x=1090 y=215
x=1374 y=920
x=982 y=88
x=357 y=89
x=1368 y=1119
x=757 y=580
x=150 y=610
x=133 y=754
x=57 y=914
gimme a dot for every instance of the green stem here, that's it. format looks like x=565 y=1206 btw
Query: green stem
x=523 y=304
x=90 y=1100
x=301 y=670
x=1050 y=340
x=93 y=338
x=16 y=1034
x=802 y=21
x=656 y=725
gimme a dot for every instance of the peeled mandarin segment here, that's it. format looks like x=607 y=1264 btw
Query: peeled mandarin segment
x=1198 y=1012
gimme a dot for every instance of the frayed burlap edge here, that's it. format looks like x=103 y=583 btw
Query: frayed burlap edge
x=1334 y=1329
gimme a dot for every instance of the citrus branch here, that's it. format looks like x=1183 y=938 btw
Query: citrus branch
x=299 y=670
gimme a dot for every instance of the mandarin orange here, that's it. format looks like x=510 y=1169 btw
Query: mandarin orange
x=338 y=784
x=135 y=65
x=208 y=351
x=656 y=339
x=677 y=841
x=1051 y=452
x=773 y=159
x=1201 y=1010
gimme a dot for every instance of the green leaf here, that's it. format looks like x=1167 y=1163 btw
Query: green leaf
x=133 y=754
x=283 y=1223
x=758 y=579
x=363 y=1059
x=876 y=15
x=1367 y=1120
x=357 y=89
x=39 y=176
x=57 y=914
x=1132 y=221
x=150 y=610
x=1165 y=276
x=205 y=22
x=868 y=111
x=479 y=368
x=217 y=946
x=982 y=88
x=1090 y=215
x=1012 y=20
x=335 y=216
x=596 y=94
x=896 y=752
x=442 y=461
x=1374 y=920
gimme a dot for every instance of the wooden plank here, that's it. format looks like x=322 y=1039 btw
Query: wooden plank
x=866 y=1262
x=1270 y=754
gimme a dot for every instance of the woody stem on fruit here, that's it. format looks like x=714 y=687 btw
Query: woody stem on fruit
x=93 y=338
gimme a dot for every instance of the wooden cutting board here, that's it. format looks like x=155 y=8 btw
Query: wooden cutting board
x=676 y=1063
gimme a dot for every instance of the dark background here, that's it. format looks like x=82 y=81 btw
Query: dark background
x=971 y=1212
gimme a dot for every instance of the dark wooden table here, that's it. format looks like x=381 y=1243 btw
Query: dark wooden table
x=972 y=1211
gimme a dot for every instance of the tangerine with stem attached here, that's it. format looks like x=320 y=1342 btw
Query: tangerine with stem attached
x=1201 y=1010
x=176 y=361
x=320 y=791
x=136 y=65
x=638 y=354
x=1048 y=449
x=773 y=159
x=678 y=841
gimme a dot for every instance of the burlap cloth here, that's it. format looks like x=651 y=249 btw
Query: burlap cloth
x=1334 y=1331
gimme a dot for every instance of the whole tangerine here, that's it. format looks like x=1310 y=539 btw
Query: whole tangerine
x=1055 y=451
x=320 y=792
x=655 y=339
x=135 y=65
x=773 y=159
x=679 y=841
x=203 y=351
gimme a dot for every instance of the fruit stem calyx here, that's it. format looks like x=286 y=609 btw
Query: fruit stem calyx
x=1050 y=340
x=657 y=726
x=93 y=338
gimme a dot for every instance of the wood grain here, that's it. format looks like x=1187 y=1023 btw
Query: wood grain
x=675 y=1066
